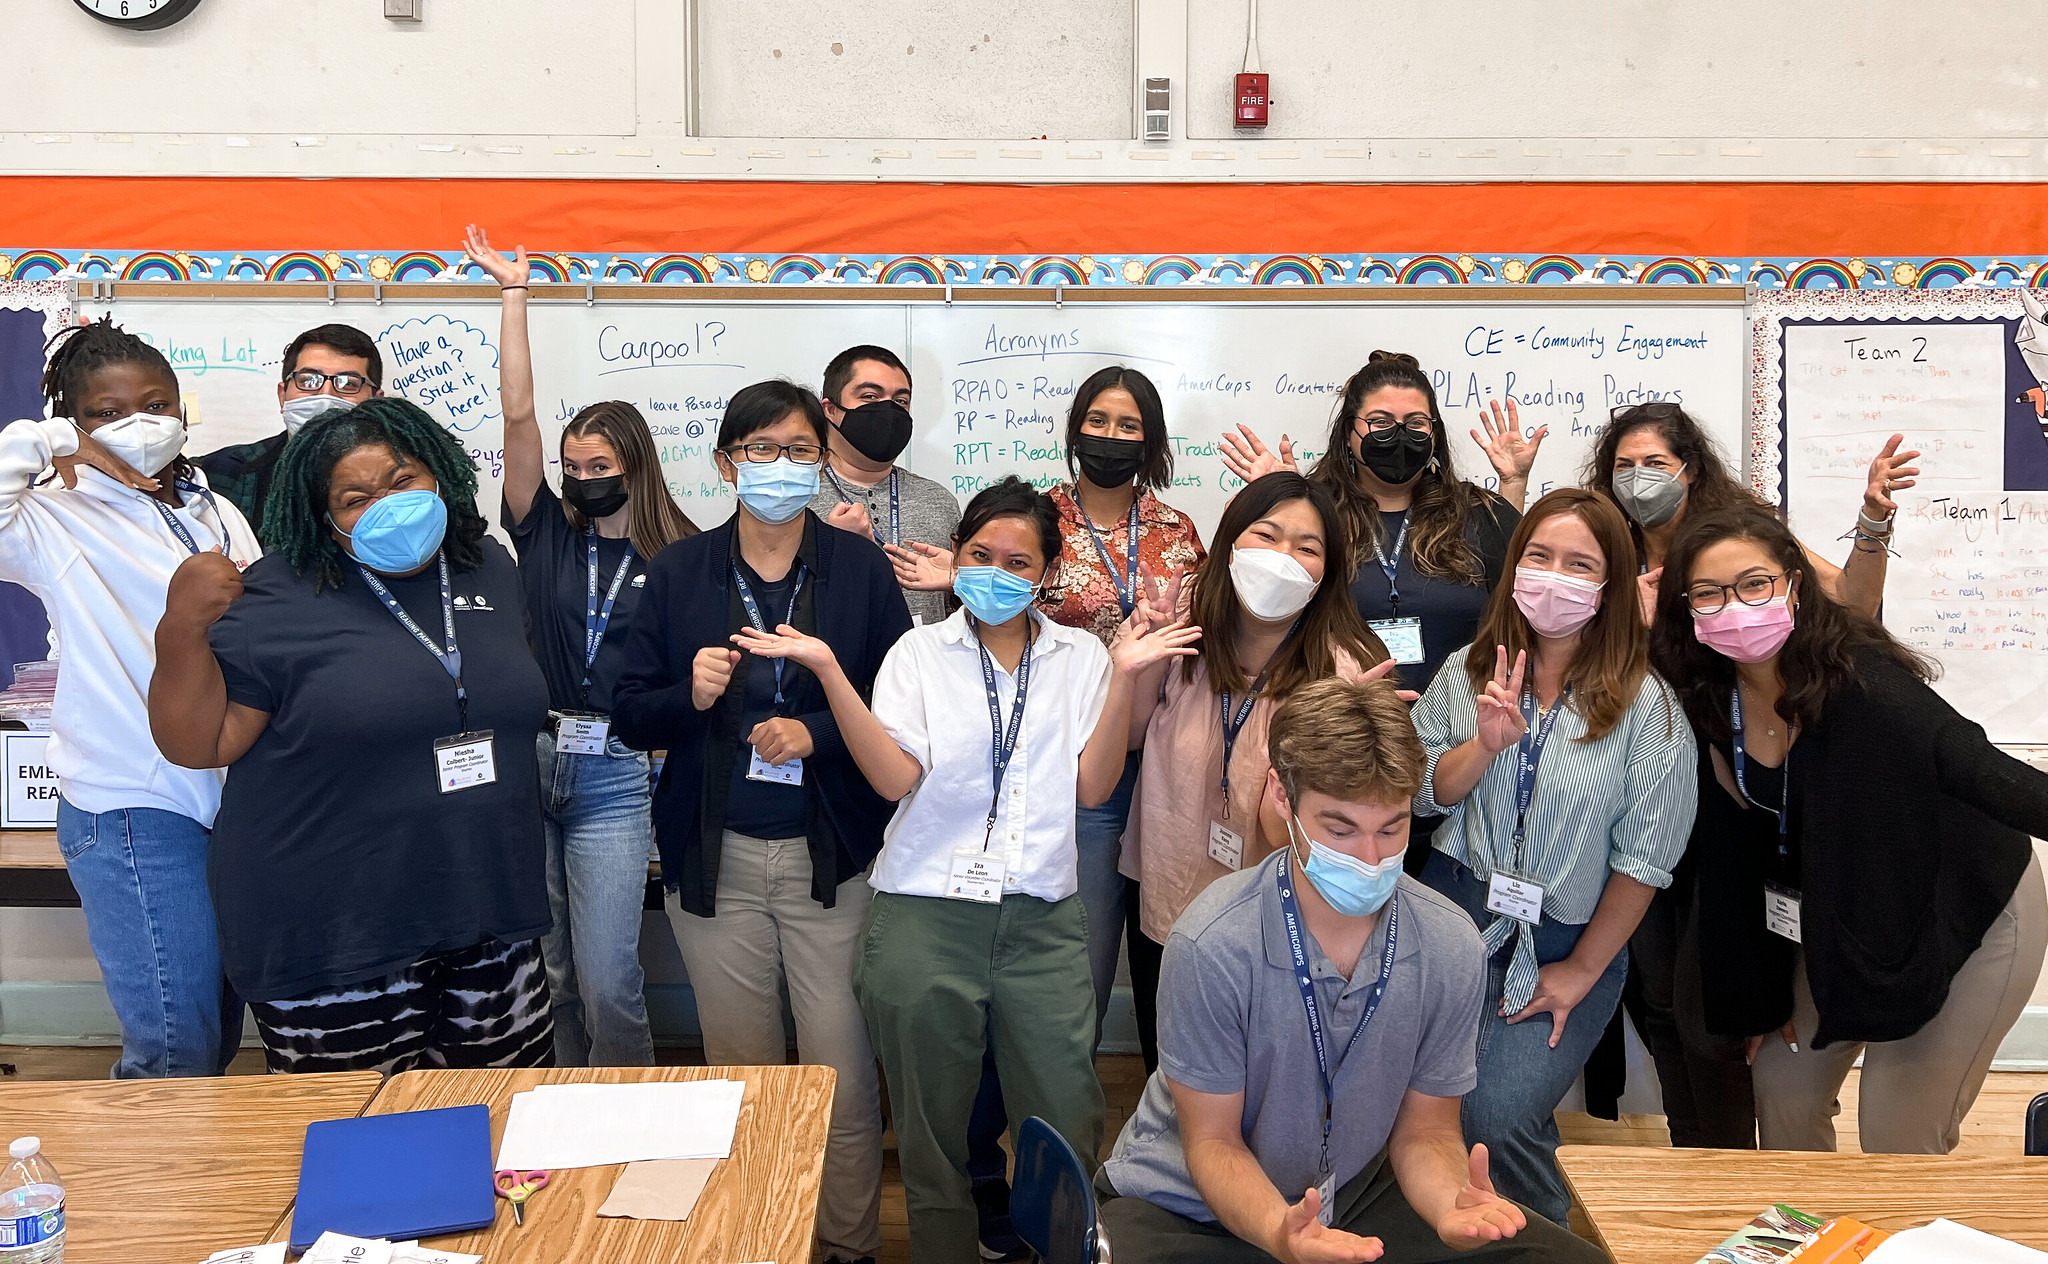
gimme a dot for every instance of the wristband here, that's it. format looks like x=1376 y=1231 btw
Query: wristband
x=504 y=288
x=1884 y=524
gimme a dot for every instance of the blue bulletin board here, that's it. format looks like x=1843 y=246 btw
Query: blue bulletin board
x=30 y=312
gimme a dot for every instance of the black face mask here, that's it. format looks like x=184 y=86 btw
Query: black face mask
x=1108 y=462
x=595 y=497
x=1397 y=455
x=878 y=431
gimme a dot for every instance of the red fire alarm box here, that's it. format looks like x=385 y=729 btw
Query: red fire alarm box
x=1251 y=100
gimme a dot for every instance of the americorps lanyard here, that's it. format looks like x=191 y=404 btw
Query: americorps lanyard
x=1234 y=724
x=1393 y=567
x=761 y=625
x=895 y=535
x=1004 y=745
x=1290 y=912
x=1784 y=812
x=1527 y=753
x=1127 y=587
x=179 y=529
x=597 y=618
x=451 y=657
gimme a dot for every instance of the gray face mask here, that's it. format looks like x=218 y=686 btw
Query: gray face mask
x=1650 y=496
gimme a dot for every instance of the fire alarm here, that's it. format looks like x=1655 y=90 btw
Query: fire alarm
x=1251 y=100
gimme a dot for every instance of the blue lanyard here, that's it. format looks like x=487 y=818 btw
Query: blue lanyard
x=760 y=624
x=451 y=657
x=1391 y=568
x=178 y=528
x=1290 y=912
x=1233 y=725
x=1527 y=753
x=597 y=618
x=1005 y=745
x=895 y=534
x=1784 y=812
x=1127 y=589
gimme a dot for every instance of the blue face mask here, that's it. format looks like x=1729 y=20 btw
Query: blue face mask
x=776 y=491
x=992 y=594
x=1348 y=884
x=399 y=533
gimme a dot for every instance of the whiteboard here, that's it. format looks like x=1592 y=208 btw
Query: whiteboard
x=993 y=380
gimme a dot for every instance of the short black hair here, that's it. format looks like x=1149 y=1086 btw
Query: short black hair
x=1157 y=470
x=76 y=352
x=761 y=405
x=346 y=339
x=1014 y=498
x=840 y=371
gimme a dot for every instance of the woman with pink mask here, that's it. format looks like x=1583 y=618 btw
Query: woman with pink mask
x=1565 y=769
x=1863 y=881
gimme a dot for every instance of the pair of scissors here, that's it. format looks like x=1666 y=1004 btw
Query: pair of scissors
x=517 y=1187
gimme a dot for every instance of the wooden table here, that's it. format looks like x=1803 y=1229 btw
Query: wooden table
x=32 y=873
x=170 y=1171
x=761 y=1203
x=1657 y=1206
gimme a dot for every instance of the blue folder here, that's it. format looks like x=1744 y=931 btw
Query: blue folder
x=411 y=1175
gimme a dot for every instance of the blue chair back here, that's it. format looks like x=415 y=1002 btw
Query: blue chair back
x=1052 y=1200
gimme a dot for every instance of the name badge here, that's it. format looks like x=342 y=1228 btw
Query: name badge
x=1226 y=846
x=1781 y=911
x=1402 y=637
x=790 y=773
x=1515 y=897
x=465 y=761
x=1327 y=1187
x=977 y=876
x=581 y=735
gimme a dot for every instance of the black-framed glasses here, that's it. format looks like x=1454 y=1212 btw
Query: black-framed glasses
x=313 y=381
x=1380 y=423
x=1750 y=590
x=801 y=453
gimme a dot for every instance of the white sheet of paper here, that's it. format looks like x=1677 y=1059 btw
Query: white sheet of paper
x=340 y=1248
x=268 y=1253
x=414 y=1253
x=560 y=1126
x=1946 y=1242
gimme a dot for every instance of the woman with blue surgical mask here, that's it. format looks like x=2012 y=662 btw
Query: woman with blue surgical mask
x=377 y=862
x=985 y=729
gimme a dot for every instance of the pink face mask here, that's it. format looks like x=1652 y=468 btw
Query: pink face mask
x=1556 y=605
x=1747 y=634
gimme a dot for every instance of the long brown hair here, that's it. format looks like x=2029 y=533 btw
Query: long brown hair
x=1613 y=656
x=1329 y=622
x=1713 y=487
x=655 y=521
x=1444 y=503
x=1818 y=660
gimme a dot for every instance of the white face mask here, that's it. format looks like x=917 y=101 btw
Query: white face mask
x=297 y=412
x=1271 y=584
x=146 y=441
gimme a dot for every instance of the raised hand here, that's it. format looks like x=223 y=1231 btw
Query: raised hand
x=1136 y=648
x=1500 y=707
x=1891 y=471
x=95 y=454
x=921 y=567
x=1513 y=455
x=786 y=642
x=1479 y=1214
x=202 y=589
x=1246 y=456
x=1160 y=599
x=1646 y=594
x=848 y=516
x=1304 y=1239
x=710 y=674
x=476 y=247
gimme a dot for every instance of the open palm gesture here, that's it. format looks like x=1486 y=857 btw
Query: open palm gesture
x=476 y=247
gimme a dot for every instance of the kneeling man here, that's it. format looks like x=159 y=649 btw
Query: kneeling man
x=1318 y=1022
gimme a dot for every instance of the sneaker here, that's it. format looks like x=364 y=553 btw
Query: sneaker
x=997 y=1236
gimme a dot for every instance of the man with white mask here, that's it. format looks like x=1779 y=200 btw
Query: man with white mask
x=326 y=368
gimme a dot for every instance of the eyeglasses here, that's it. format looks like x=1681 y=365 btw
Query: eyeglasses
x=1750 y=590
x=1656 y=410
x=313 y=381
x=801 y=453
x=1380 y=423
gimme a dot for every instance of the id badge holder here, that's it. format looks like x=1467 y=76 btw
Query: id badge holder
x=1226 y=846
x=788 y=773
x=465 y=761
x=1781 y=911
x=1512 y=896
x=976 y=876
x=1402 y=637
x=1327 y=1188
x=581 y=733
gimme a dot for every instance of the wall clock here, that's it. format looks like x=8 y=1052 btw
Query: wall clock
x=139 y=15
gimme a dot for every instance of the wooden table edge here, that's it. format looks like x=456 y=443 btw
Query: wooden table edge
x=292 y=1204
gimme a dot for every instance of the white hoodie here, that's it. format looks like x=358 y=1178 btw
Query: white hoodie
x=100 y=556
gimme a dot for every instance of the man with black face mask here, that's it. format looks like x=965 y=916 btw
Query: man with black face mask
x=867 y=400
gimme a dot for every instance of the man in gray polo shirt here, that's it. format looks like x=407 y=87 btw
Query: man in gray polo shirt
x=1238 y=1152
x=862 y=489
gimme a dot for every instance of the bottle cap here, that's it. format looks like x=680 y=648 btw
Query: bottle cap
x=23 y=1147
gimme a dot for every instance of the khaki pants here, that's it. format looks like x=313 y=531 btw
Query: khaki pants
x=769 y=930
x=1915 y=1092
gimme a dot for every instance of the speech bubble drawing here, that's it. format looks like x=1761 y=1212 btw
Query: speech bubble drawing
x=447 y=367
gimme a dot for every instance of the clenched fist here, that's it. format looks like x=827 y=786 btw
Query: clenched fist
x=710 y=673
x=202 y=589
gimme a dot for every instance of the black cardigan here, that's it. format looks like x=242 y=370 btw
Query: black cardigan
x=1912 y=833
x=852 y=602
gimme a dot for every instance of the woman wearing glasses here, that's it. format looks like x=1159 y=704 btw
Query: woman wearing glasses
x=1865 y=881
x=766 y=826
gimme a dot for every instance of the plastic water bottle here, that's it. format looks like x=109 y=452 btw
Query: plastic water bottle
x=31 y=1207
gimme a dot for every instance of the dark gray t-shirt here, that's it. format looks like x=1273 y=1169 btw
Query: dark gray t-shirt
x=926 y=511
x=1228 y=974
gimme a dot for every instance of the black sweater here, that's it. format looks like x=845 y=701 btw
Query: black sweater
x=1912 y=834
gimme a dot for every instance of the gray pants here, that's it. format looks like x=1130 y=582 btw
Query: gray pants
x=1915 y=1092
x=769 y=930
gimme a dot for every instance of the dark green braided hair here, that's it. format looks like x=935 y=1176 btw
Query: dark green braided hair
x=295 y=516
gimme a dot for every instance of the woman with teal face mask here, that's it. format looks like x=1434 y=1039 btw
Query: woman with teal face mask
x=377 y=861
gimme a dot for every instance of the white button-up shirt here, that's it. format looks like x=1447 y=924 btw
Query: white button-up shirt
x=930 y=697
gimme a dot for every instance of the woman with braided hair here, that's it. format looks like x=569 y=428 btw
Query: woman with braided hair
x=378 y=862
x=98 y=544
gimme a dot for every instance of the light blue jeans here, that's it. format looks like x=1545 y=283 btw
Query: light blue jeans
x=1098 y=836
x=597 y=812
x=1521 y=1078
x=141 y=875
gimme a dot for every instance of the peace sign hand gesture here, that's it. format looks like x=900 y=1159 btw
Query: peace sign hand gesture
x=1500 y=707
